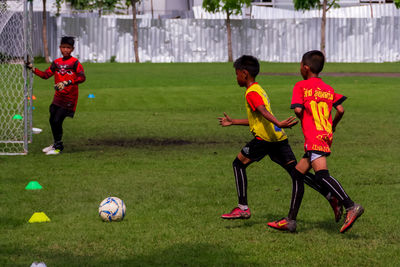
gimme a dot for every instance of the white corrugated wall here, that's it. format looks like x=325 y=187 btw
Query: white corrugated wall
x=194 y=40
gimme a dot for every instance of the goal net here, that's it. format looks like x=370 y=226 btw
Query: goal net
x=15 y=80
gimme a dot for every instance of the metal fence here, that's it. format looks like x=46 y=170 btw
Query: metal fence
x=205 y=40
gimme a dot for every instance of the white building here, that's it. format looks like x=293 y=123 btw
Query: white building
x=186 y=8
x=288 y=4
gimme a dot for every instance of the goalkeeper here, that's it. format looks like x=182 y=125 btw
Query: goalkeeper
x=68 y=73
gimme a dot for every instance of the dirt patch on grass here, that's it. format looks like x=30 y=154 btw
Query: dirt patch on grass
x=340 y=74
x=138 y=142
x=143 y=142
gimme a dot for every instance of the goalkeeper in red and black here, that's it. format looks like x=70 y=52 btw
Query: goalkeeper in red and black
x=68 y=73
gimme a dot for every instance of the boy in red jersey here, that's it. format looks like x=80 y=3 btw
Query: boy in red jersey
x=68 y=73
x=312 y=102
x=269 y=139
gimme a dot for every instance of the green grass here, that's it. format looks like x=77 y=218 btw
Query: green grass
x=150 y=136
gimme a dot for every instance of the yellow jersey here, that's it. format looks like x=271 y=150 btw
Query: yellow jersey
x=260 y=126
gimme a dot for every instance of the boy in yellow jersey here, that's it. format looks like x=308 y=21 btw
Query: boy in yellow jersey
x=269 y=139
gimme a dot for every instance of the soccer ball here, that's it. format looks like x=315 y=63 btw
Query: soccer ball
x=112 y=209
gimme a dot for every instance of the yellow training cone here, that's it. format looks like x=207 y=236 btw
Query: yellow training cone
x=39 y=217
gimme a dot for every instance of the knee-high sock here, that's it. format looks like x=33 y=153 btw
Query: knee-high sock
x=297 y=193
x=239 y=170
x=309 y=179
x=334 y=187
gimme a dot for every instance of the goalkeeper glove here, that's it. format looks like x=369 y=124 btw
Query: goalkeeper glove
x=29 y=65
x=60 y=86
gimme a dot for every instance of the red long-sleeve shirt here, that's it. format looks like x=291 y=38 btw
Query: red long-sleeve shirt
x=65 y=69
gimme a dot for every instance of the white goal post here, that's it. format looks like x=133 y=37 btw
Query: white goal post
x=15 y=81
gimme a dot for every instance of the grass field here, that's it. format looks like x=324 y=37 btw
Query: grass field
x=151 y=137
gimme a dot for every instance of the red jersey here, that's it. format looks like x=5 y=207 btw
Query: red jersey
x=69 y=69
x=317 y=99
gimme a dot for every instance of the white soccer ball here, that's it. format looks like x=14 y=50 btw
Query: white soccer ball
x=112 y=209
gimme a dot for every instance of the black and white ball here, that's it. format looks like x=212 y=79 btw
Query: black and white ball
x=112 y=209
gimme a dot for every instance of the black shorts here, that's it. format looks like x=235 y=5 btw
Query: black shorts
x=60 y=112
x=279 y=152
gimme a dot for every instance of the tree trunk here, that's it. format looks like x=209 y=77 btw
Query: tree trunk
x=323 y=26
x=44 y=33
x=100 y=7
x=229 y=32
x=135 y=31
x=152 y=10
x=372 y=11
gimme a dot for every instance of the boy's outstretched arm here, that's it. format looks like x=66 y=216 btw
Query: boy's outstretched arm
x=288 y=123
x=228 y=121
x=338 y=116
x=42 y=74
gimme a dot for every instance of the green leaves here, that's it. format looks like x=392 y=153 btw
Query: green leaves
x=310 y=4
x=90 y=4
x=306 y=4
x=228 y=6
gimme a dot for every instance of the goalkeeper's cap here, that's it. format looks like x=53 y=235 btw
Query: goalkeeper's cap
x=68 y=40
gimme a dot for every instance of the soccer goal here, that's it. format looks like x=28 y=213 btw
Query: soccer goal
x=15 y=81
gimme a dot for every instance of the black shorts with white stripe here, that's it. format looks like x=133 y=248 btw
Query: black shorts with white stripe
x=279 y=152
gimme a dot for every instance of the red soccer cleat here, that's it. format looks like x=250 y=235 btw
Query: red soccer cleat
x=351 y=216
x=337 y=208
x=237 y=213
x=283 y=225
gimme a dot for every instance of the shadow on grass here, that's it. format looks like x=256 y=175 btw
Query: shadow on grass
x=12 y=223
x=329 y=226
x=234 y=224
x=202 y=254
x=140 y=142
x=182 y=254
x=304 y=225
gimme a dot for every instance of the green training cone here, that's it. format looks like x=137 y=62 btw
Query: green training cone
x=33 y=185
x=17 y=117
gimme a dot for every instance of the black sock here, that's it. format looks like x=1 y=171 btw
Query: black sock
x=309 y=179
x=239 y=170
x=334 y=187
x=297 y=193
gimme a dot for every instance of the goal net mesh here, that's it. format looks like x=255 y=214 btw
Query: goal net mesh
x=15 y=80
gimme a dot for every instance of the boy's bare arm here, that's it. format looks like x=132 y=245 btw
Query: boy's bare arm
x=228 y=121
x=299 y=112
x=338 y=116
x=288 y=123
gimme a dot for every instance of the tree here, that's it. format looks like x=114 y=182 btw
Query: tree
x=79 y=4
x=104 y=5
x=110 y=5
x=230 y=7
x=58 y=6
x=124 y=5
x=100 y=5
x=135 y=30
x=44 y=33
x=397 y=3
x=325 y=5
